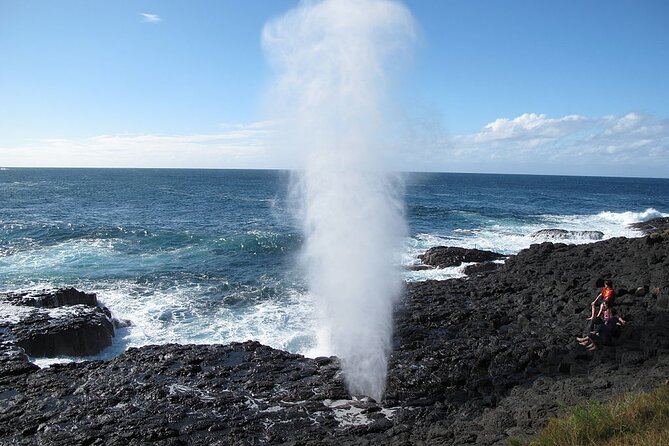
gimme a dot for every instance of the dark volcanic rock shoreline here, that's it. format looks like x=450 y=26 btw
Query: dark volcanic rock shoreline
x=475 y=361
x=501 y=347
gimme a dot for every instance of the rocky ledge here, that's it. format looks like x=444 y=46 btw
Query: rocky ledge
x=658 y=225
x=52 y=323
x=475 y=361
x=445 y=256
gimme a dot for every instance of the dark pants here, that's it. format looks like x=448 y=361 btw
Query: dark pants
x=593 y=325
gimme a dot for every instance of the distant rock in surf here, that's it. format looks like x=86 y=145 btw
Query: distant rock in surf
x=52 y=323
x=563 y=234
x=445 y=256
x=480 y=268
x=660 y=224
x=418 y=267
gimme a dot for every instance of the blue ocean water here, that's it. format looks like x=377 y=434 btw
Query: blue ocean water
x=196 y=256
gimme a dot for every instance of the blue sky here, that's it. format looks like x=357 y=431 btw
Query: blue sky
x=561 y=87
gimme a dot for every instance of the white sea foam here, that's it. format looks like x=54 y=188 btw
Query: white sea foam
x=631 y=217
x=435 y=274
x=11 y=314
x=352 y=413
x=61 y=258
x=181 y=315
x=612 y=224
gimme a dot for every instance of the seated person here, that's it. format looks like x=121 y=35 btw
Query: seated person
x=604 y=332
x=593 y=325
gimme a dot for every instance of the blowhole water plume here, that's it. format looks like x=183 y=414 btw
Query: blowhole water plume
x=333 y=60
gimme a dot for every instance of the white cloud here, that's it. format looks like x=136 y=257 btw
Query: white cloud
x=243 y=146
x=633 y=144
x=150 y=18
x=538 y=126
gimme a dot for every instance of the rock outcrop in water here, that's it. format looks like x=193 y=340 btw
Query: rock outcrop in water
x=655 y=225
x=475 y=361
x=445 y=256
x=62 y=297
x=63 y=322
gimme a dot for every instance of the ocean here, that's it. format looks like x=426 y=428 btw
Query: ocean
x=211 y=256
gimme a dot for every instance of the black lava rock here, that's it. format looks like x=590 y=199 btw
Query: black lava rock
x=655 y=225
x=52 y=298
x=445 y=256
x=479 y=268
x=63 y=322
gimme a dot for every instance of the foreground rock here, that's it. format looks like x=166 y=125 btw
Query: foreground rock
x=445 y=256
x=183 y=394
x=63 y=322
x=475 y=361
x=13 y=362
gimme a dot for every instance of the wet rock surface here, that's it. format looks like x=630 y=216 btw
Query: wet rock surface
x=480 y=268
x=475 y=361
x=61 y=297
x=51 y=323
x=179 y=394
x=445 y=256
x=660 y=224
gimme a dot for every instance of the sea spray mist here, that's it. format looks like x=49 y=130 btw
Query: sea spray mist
x=333 y=59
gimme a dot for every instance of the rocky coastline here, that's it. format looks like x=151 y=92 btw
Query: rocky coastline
x=475 y=361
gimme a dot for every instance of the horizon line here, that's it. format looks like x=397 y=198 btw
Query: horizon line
x=280 y=169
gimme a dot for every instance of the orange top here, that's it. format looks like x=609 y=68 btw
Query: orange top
x=607 y=293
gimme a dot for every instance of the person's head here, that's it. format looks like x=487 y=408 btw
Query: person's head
x=608 y=284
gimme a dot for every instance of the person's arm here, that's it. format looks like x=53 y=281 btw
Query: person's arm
x=592 y=307
x=594 y=302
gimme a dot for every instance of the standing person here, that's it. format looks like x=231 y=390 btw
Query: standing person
x=607 y=294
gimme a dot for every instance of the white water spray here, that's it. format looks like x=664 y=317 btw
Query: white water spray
x=333 y=58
